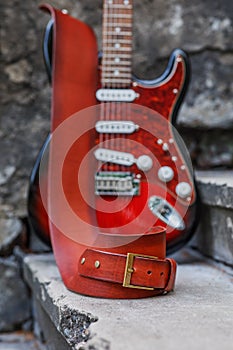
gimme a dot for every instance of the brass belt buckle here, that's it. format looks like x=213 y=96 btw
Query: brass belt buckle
x=129 y=270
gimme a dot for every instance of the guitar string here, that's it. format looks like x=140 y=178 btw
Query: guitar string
x=117 y=104
x=110 y=74
x=106 y=105
x=116 y=113
x=127 y=104
x=120 y=104
x=104 y=70
x=111 y=71
x=106 y=66
x=123 y=105
x=102 y=106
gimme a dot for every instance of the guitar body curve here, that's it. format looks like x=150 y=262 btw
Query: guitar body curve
x=37 y=214
x=163 y=95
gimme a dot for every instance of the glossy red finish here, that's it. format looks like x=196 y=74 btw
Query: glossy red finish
x=155 y=123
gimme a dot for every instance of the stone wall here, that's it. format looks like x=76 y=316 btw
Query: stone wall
x=203 y=28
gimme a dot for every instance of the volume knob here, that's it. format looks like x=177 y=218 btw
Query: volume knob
x=165 y=173
x=183 y=189
x=144 y=163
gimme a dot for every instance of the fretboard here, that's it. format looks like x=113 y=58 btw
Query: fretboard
x=117 y=43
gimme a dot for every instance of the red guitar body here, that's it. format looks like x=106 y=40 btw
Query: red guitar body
x=64 y=205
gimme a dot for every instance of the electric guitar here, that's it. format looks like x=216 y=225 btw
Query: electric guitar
x=139 y=175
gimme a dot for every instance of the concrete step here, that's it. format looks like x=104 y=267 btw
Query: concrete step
x=214 y=237
x=197 y=315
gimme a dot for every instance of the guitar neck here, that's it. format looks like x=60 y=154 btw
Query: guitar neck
x=117 y=43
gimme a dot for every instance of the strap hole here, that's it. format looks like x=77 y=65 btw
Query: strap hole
x=161 y=274
x=149 y=272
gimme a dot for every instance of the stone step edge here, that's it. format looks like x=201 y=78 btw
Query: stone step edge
x=77 y=333
x=215 y=187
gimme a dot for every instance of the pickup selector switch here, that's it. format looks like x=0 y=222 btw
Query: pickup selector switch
x=165 y=173
x=183 y=189
x=144 y=163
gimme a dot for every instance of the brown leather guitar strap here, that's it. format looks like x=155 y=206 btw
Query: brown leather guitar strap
x=74 y=66
x=132 y=268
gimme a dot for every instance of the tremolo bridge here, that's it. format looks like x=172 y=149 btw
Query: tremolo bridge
x=117 y=183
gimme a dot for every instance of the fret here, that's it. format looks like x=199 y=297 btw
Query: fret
x=118 y=7
x=115 y=72
x=116 y=81
x=113 y=62
x=119 y=15
x=107 y=79
x=125 y=33
x=121 y=69
x=116 y=41
x=128 y=49
x=117 y=27
x=117 y=64
x=118 y=24
x=120 y=55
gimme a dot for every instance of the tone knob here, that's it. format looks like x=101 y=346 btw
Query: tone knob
x=183 y=189
x=165 y=173
x=144 y=163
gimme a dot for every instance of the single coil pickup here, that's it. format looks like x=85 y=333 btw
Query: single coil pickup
x=118 y=95
x=117 y=183
x=116 y=157
x=116 y=127
x=144 y=162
